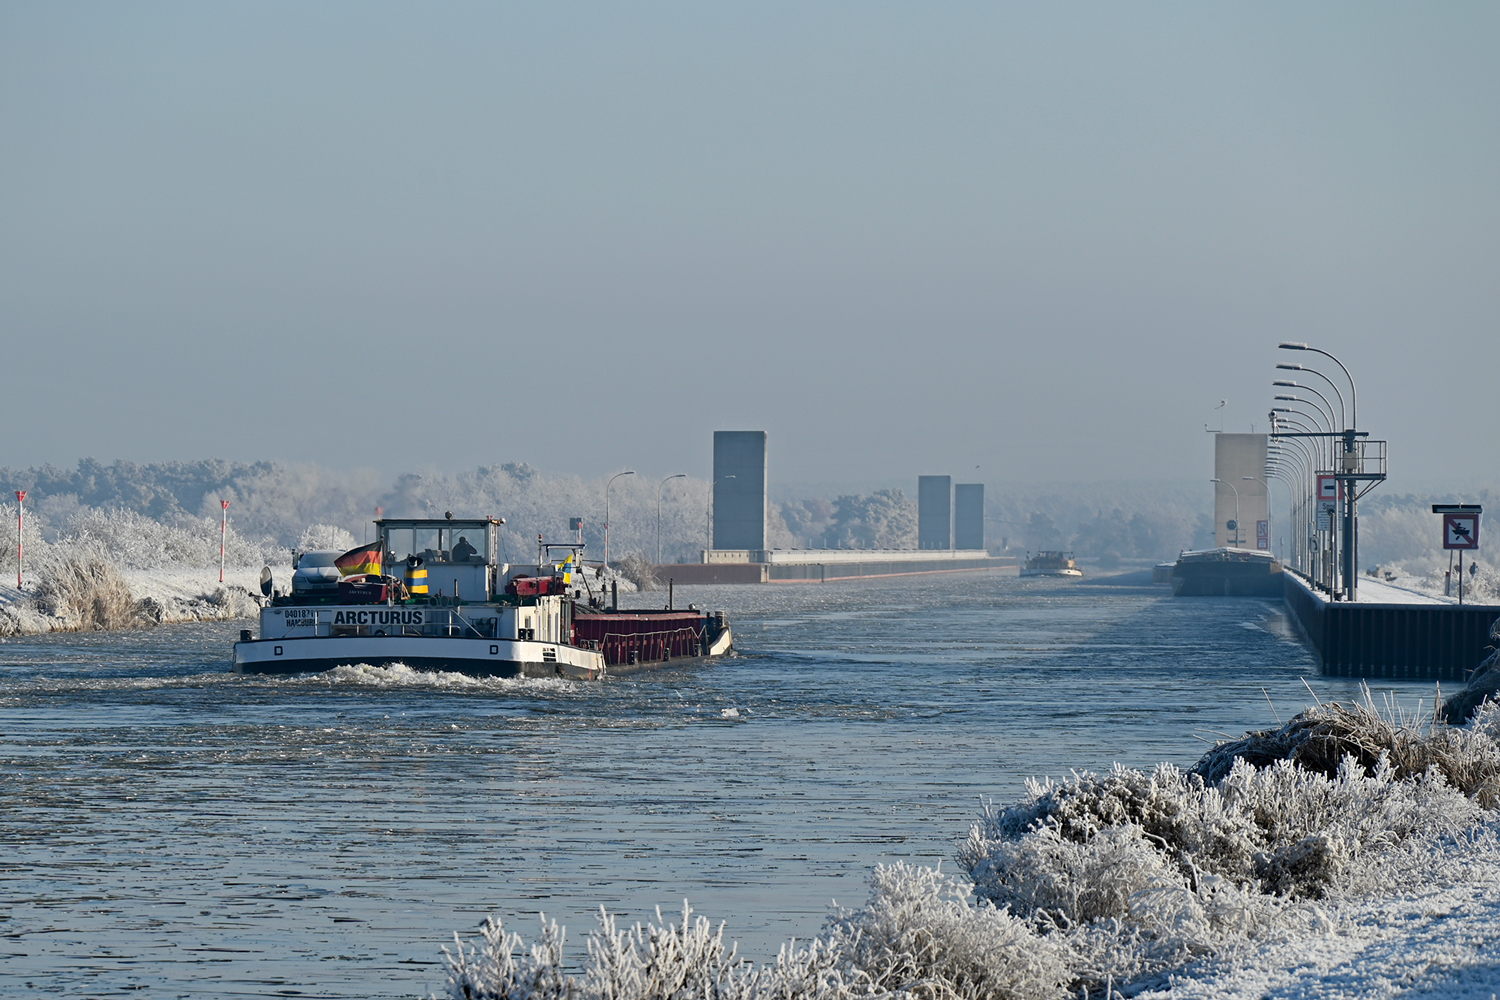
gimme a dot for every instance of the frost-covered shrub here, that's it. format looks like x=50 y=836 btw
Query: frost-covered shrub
x=918 y=935
x=640 y=571
x=135 y=541
x=84 y=590
x=1116 y=878
x=663 y=961
x=325 y=536
x=1320 y=738
x=492 y=970
x=1281 y=829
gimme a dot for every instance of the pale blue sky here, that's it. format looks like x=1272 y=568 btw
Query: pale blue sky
x=1043 y=239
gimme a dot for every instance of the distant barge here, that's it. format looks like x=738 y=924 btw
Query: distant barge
x=1050 y=562
x=1227 y=572
x=527 y=622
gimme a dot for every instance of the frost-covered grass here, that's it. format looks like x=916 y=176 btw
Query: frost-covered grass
x=110 y=569
x=1290 y=847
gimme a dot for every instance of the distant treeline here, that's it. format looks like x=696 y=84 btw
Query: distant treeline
x=274 y=504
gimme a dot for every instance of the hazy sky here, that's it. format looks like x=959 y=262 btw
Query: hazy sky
x=1042 y=239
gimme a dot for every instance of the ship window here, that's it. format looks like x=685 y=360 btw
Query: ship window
x=398 y=542
x=428 y=543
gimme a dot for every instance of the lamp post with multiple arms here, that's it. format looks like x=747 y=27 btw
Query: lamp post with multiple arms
x=708 y=517
x=1349 y=466
x=1236 y=508
x=1304 y=459
x=606 y=511
x=1326 y=408
x=680 y=475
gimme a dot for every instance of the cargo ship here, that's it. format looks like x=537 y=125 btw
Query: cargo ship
x=1051 y=563
x=1227 y=572
x=431 y=594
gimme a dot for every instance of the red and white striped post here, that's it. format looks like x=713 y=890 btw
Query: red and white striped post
x=20 y=536
x=223 y=530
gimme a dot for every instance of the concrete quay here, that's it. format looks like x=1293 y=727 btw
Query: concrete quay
x=1406 y=641
x=828 y=565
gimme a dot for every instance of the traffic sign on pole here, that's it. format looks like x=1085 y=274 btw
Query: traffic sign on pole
x=1461 y=531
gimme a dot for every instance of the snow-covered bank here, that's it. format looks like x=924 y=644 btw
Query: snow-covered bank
x=165 y=595
x=1354 y=852
x=1400 y=584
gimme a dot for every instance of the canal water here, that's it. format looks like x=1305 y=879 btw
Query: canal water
x=170 y=829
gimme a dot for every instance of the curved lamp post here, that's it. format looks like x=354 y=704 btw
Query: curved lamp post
x=1331 y=384
x=1347 y=468
x=1236 y=509
x=1353 y=392
x=1333 y=422
x=606 y=511
x=680 y=475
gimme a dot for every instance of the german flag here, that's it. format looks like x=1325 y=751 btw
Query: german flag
x=360 y=561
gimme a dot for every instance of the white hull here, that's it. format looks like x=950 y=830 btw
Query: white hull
x=482 y=657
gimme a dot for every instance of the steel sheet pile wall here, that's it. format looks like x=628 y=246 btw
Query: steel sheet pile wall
x=1441 y=642
x=650 y=635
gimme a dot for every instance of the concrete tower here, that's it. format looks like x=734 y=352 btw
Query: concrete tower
x=739 y=503
x=934 y=512
x=968 y=516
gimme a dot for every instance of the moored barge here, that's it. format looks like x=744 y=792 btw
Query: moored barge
x=1227 y=572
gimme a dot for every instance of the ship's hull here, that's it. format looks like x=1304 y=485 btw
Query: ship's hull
x=1225 y=573
x=476 y=657
x=1069 y=573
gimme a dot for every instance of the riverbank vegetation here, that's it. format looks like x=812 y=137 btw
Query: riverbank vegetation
x=1301 y=844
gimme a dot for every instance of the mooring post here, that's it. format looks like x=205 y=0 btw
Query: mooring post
x=223 y=529
x=20 y=534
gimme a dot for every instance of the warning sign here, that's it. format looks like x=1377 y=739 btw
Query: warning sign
x=1460 y=531
x=1262 y=534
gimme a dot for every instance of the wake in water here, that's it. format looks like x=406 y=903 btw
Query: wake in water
x=399 y=675
x=1321 y=859
x=360 y=675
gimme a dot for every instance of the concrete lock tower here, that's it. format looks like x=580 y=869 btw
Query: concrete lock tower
x=1240 y=493
x=739 y=508
x=968 y=516
x=934 y=512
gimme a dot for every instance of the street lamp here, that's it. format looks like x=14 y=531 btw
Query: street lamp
x=1334 y=422
x=1289 y=384
x=1353 y=392
x=1331 y=384
x=1348 y=470
x=708 y=517
x=1236 y=509
x=680 y=475
x=606 y=512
